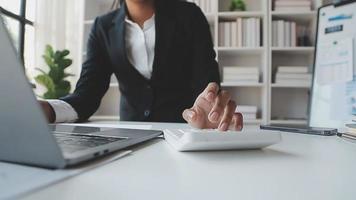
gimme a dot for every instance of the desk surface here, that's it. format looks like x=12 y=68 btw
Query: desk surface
x=300 y=167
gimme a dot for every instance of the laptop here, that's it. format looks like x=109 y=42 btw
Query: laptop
x=332 y=102
x=25 y=136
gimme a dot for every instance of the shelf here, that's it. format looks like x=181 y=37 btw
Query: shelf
x=293 y=50
x=290 y=121
x=303 y=17
x=241 y=50
x=232 y=84
x=291 y=85
x=234 y=15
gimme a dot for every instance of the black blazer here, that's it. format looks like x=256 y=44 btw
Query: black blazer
x=184 y=64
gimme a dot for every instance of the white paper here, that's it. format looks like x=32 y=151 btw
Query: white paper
x=124 y=126
x=335 y=61
x=18 y=180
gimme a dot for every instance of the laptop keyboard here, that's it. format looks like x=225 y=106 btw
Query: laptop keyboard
x=76 y=142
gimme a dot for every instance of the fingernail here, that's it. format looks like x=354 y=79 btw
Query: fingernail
x=214 y=116
x=223 y=126
x=210 y=96
x=190 y=114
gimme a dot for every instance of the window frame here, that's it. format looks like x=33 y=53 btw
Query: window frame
x=23 y=21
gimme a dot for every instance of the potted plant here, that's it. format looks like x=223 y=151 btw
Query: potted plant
x=54 y=81
x=237 y=5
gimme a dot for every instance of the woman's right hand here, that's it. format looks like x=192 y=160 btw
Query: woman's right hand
x=48 y=111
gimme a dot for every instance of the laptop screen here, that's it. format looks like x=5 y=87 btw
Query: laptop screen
x=333 y=100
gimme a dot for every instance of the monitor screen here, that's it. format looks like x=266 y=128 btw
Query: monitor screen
x=333 y=100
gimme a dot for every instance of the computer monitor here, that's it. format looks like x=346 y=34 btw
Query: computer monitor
x=333 y=99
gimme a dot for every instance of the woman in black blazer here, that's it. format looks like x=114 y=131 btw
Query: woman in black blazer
x=185 y=73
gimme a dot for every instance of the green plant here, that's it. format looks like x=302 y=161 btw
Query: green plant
x=237 y=5
x=54 y=80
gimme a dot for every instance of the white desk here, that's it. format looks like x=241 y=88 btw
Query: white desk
x=301 y=167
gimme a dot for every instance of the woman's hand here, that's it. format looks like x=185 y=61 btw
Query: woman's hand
x=214 y=109
x=48 y=111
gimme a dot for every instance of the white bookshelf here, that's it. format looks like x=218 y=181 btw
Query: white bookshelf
x=277 y=103
x=288 y=103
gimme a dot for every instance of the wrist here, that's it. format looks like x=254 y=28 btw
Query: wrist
x=51 y=114
x=48 y=111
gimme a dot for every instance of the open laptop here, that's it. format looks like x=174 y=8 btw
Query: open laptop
x=25 y=136
x=333 y=99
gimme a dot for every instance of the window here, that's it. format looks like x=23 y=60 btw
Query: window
x=18 y=16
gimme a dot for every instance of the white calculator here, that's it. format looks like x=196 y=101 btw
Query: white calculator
x=203 y=140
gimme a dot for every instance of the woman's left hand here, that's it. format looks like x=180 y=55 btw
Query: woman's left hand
x=214 y=109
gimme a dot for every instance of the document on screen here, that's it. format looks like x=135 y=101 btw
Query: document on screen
x=335 y=61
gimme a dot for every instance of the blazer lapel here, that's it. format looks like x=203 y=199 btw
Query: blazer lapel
x=117 y=40
x=165 y=27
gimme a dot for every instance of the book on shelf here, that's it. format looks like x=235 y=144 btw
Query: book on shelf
x=293 y=83
x=293 y=34
x=243 y=32
x=240 y=70
x=239 y=32
x=227 y=34
x=292 y=69
x=233 y=35
x=221 y=34
x=236 y=78
x=241 y=74
x=292 y=5
x=289 y=34
x=293 y=75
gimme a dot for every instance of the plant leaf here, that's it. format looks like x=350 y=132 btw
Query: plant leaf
x=49 y=51
x=68 y=75
x=65 y=63
x=63 y=88
x=57 y=74
x=46 y=81
x=40 y=70
x=50 y=95
x=48 y=61
x=65 y=53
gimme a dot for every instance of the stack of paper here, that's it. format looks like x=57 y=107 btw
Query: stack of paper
x=292 y=5
x=293 y=75
x=351 y=129
x=248 y=112
x=207 y=6
x=289 y=34
x=241 y=75
x=244 y=32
